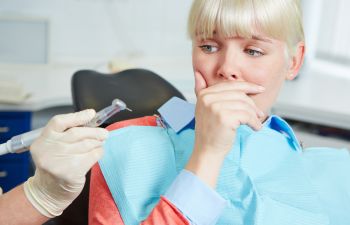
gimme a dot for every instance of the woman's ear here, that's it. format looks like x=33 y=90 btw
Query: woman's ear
x=296 y=61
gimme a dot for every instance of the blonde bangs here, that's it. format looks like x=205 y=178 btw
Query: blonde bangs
x=222 y=17
x=278 y=19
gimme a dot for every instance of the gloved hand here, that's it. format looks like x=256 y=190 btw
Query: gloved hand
x=63 y=154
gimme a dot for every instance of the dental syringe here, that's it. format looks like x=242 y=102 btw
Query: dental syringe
x=21 y=143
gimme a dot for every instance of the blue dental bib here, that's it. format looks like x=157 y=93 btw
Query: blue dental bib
x=266 y=178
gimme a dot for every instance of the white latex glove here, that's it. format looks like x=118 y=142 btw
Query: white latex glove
x=63 y=154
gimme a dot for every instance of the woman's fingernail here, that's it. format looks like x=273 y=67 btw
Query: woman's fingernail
x=261 y=113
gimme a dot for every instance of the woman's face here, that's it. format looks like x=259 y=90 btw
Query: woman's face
x=260 y=60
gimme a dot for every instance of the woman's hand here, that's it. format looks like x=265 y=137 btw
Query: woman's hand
x=220 y=110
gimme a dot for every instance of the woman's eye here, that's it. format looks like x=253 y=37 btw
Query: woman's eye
x=209 y=48
x=253 y=52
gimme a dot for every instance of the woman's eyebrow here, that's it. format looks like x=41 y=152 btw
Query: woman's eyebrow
x=259 y=38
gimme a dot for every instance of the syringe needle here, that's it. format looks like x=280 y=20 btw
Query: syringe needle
x=128 y=109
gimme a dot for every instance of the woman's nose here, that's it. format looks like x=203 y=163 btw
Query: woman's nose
x=229 y=69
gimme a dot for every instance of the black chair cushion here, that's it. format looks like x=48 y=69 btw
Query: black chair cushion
x=142 y=90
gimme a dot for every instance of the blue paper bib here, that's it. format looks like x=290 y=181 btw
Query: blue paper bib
x=265 y=179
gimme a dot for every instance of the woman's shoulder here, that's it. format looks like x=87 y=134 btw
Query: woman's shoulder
x=326 y=152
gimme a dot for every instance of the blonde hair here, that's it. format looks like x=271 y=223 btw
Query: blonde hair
x=278 y=19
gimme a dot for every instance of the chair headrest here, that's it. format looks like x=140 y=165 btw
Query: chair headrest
x=142 y=90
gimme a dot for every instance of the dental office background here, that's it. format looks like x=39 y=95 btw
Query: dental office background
x=43 y=42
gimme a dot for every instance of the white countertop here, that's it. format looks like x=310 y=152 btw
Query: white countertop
x=316 y=98
x=313 y=97
x=48 y=86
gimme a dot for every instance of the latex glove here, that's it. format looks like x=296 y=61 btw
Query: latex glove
x=63 y=154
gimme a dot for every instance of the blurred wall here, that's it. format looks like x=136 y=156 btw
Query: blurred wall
x=103 y=29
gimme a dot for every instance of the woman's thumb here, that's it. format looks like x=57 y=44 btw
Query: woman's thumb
x=199 y=82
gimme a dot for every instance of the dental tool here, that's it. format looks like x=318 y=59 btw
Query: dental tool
x=21 y=142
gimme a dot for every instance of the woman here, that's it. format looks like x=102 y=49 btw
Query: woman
x=240 y=165
x=239 y=68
